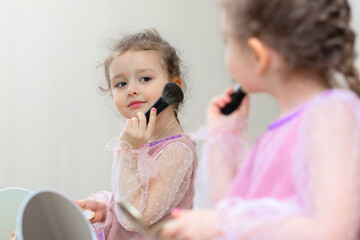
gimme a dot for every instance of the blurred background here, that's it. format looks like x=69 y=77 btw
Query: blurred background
x=54 y=122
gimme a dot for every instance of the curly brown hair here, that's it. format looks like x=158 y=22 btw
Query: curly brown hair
x=147 y=39
x=311 y=35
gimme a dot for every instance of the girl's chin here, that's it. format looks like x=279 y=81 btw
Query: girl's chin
x=134 y=113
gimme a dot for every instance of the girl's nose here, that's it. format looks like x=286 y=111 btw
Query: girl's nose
x=132 y=90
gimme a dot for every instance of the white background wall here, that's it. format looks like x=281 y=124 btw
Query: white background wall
x=54 y=122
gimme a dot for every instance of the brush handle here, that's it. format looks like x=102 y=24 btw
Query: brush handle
x=236 y=99
x=160 y=105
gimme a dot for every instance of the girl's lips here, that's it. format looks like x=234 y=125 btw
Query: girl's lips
x=135 y=104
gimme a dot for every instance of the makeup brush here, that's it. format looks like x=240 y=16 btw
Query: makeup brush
x=171 y=94
x=236 y=99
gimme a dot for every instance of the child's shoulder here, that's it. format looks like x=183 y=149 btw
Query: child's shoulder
x=180 y=144
x=336 y=97
x=334 y=104
x=182 y=138
x=342 y=94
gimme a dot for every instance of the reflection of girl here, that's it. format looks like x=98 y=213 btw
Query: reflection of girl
x=154 y=163
x=301 y=178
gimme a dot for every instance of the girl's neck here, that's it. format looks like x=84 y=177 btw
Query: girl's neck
x=297 y=89
x=166 y=125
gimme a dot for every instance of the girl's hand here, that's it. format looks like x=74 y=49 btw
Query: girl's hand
x=98 y=207
x=197 y=225
x=214 y=108
x=136 y=132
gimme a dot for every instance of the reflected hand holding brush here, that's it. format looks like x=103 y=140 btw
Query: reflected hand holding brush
x=236 y=99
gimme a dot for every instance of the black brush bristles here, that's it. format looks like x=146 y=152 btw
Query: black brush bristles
x=171 y=94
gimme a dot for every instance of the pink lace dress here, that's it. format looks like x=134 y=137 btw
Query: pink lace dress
x=155 y=178
x=301 y=179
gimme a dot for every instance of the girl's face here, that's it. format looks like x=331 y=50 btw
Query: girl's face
x=239 y=59
x=137 y=80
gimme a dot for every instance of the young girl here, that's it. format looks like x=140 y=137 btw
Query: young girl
x=154 y=163
x=301 y=178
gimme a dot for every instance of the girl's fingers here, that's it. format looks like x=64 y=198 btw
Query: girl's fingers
x=142 y=121
x=128 y=124
x=97 y=218
x=229 y=91
x=135 y=122
x=214 y=108
x=152 y=121
x=221 y=101
x=80 y=203
x=177 y=212
x=170 y=230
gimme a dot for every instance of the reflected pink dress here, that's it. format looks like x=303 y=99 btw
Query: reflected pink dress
x=304 y=161
x=155 y=178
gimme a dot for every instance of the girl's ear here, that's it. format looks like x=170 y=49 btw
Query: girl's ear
x=178 y=81
x=261 y=54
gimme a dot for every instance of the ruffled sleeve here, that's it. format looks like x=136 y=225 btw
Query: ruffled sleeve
x=103 y=228
x=153 y=185
x=225 y=148
x=327 y=200
x=133 y=167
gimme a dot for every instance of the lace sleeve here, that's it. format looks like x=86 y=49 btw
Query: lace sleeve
x=152 y=185
x=327 y=202
x=225 y=148
x=108 y=199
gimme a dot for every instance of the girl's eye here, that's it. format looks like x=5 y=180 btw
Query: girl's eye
x=145 y=79
x=120 y=84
